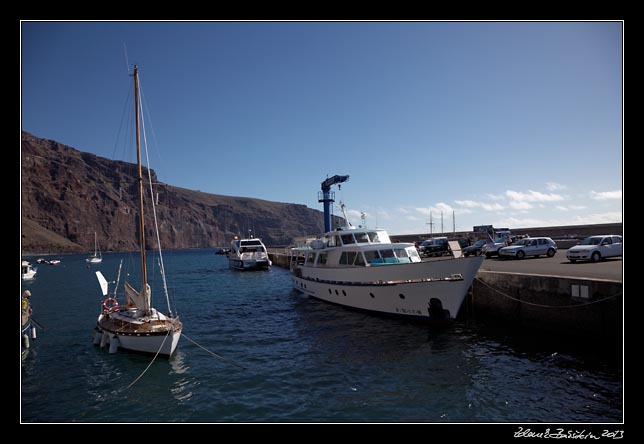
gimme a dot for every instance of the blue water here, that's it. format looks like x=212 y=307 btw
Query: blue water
x=305 y=360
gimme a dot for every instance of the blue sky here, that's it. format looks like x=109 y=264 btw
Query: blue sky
x=508 y=123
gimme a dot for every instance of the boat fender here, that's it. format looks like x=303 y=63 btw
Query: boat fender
x=110 y=304
x=114 y=344
x=104 y=339
x=25 y=341
x=97 y=337
x=33 y=333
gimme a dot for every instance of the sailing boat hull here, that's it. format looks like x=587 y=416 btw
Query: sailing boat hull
x=94 y=260
x=162 y=340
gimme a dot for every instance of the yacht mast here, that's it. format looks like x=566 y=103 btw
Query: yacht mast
x=144 y=273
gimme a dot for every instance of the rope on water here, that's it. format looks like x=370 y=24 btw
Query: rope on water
x=152 y=361
x=546 y=306
x=214 y=354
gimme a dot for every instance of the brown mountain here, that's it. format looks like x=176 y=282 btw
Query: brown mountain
x=68 y=194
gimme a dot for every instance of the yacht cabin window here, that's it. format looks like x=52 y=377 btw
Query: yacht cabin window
x=333 y=241
x=348 y=239
x=322 y=259
x=372 y=256
x=310 y=257
x=359 y=260
x=362 y=238
x=352 y=258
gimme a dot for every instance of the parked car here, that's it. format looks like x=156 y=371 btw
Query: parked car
x=436 y=246
x=493 y=250
x=474 y=249
x=595 y=248
x=531 y=246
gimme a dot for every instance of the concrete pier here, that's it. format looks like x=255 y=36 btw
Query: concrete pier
x=575 y=306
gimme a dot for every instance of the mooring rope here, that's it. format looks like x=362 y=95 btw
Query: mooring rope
x=214 y=354
x=546 y=306
x=153 y=359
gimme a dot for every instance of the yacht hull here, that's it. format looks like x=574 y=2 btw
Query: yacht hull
x=238 y=264
x=432 y=290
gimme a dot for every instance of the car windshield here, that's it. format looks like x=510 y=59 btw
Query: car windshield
x=520 y=242
x=591 y=241
x=479 y=243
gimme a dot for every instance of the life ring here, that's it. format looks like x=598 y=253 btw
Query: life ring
x=113 y=304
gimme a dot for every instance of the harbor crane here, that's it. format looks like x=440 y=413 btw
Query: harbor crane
x=327 y=197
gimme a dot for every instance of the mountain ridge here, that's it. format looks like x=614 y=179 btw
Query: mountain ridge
x=67 y=194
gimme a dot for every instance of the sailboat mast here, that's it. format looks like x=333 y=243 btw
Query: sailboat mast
x=144 y=273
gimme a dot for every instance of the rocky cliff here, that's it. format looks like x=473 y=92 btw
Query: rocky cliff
x=67 y=195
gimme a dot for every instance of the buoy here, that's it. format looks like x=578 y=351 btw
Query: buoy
x=25 y=340
x=33 y=332
x=104 y=339
x=97 y=338
x=114 y=344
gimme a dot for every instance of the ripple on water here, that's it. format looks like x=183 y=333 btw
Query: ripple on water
x=306 y=361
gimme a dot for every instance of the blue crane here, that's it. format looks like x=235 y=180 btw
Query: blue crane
x=327 y=197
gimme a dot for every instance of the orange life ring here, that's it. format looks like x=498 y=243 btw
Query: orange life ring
x=113 y=304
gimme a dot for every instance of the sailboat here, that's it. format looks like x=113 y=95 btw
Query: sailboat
x=136 y=325
x=96 y=258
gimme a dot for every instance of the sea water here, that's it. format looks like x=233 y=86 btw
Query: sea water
x=283 y=357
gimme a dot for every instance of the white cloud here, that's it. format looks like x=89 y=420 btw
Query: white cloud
x=597 y=218
x=553 y=186
x=570 y=207
x=483 y=205
x=606 y=195
x=533 y=196
x=436 y=209
x=518 y=205
x=586 y=219
x=515 y=222
x=495 y=196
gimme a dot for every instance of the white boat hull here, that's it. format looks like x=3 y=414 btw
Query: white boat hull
x=249 y=264
x=407 y=290
x=94 y=260
x=164 y=344
x=29 y=275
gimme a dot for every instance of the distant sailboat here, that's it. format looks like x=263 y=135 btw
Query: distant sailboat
x=136 y=325
x=97 y=257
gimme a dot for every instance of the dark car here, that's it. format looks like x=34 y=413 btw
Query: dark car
x=437 y=246
x=474 y=249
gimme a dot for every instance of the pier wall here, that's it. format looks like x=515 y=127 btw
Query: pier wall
x=573 y=306
x=278 y=259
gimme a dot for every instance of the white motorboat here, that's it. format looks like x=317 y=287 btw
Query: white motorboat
x=248 y=254
x=362 y=268
x=136 y=325
x=28 y=271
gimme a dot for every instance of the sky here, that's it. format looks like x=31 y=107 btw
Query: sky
x=513 y=124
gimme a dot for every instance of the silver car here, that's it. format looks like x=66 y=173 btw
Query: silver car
x=595 y=248
x=531 y=246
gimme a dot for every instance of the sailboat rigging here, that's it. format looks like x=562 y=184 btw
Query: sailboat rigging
x=97 y=257
x=137 y=326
